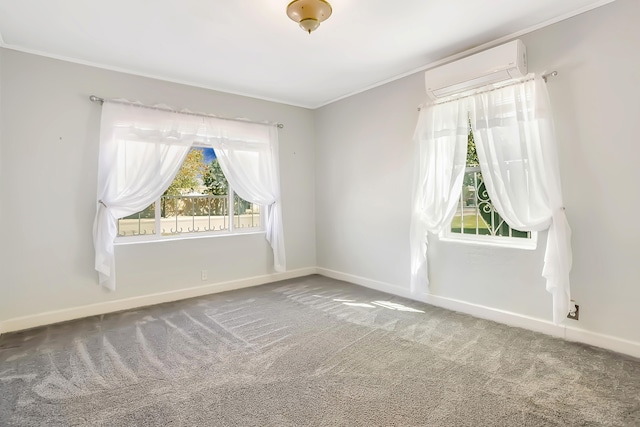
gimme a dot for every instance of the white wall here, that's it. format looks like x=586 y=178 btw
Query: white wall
x=3 y=289
x=364 y=172
x=49 y=168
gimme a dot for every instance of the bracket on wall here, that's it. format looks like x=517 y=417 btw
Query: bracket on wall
x=551 y=74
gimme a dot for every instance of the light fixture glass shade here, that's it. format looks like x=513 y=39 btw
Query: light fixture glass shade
x=309 y=24
x=309 y=13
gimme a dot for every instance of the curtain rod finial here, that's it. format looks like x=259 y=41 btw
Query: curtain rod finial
x=94 y=98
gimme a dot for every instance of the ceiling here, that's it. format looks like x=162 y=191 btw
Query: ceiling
x=251 y=47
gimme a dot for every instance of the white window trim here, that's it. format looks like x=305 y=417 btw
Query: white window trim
x=148 y=238
x=497 y=241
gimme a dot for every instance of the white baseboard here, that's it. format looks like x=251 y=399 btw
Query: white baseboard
x=50 y=317
x=569 y=333
x=619 y=345
x=367 y=283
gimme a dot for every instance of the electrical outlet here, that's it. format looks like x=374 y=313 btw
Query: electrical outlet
x=574 y=312
x=203 y=275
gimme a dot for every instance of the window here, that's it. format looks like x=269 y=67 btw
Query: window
x=199 y=200
x=143 y=148
x=476 y=218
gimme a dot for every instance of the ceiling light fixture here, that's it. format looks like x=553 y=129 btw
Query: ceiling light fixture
x=309 y=13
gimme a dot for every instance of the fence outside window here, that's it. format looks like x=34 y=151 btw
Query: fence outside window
x=192 y=214
x=476 y=214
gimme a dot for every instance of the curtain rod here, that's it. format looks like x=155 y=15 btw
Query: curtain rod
x=544 y=77
x=94 y=98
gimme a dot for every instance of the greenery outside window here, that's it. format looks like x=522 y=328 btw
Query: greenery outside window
x=198 y=201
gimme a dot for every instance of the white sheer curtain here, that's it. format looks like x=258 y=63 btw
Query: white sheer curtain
x=141 y=151
x=251 y=167
x=441 y=151
x=517 y=153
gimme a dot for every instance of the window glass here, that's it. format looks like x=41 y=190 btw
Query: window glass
x=197 y=201
x=476 y=218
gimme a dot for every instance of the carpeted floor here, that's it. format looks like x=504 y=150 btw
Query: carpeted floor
x=307 y=352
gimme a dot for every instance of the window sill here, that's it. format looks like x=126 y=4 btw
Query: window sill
x=134 y=240
x=505 y=242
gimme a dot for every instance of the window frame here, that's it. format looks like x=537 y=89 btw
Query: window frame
x=230 y=231
x=447 y=235
x=530 y=243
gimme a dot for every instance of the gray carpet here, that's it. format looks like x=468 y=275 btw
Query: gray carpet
x=310 y=351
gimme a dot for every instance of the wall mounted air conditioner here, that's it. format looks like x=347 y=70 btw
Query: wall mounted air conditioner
x=495 y=65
